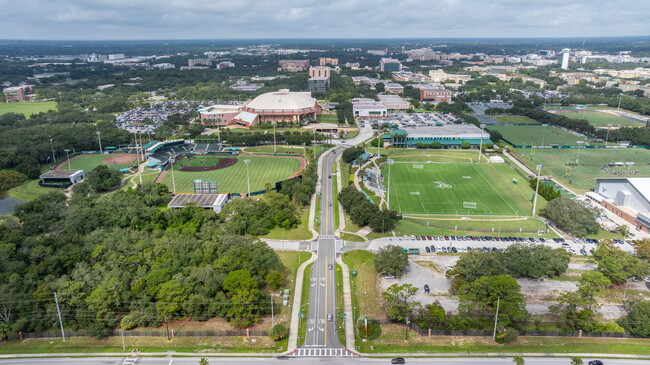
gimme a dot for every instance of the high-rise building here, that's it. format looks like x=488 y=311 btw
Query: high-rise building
x=565 y=58
x=390 y=65
x=320 y=71
x=323 y=61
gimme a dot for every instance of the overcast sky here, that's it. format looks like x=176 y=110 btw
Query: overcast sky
x=218 y=19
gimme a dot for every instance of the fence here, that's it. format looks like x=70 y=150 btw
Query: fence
x=427 y=332
x=475 y=226
x=233 y=333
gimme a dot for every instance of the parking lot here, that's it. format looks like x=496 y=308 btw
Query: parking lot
x=461 y=243
x=402 y=120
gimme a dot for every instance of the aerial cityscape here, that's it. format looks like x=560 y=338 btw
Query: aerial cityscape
x=418 y=182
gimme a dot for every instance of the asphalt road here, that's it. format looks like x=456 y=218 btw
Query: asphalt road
x=322 y=319
x=310 y=360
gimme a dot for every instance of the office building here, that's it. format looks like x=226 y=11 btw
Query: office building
x=318 y=84
x=450 y=135
x=328 y=61
x=565 y=58
x=389 y=65
x=628 y=198
x=320 y=71
x=19 y=94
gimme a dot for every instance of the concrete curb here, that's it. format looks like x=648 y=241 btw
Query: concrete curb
x=295 y=309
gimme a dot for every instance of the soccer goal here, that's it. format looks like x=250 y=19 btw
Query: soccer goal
x=418 y=166
x=469 y=205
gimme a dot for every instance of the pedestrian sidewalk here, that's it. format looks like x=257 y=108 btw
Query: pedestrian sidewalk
x=347 y=305
x=295 y=309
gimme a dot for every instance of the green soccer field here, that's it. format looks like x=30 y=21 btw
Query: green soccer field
x=89 y=162
x=600 y=119
x=532 y=135
x=233 y=179
x=27 y=109
x=442 y=188
x=514 y=119
x=427 y=155
x=582 y=177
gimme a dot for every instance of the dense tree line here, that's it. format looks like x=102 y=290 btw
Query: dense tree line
x=546 y=191
x=520 y=260
x=120 y=260
x=301 y=190
x=618 y=265
x=25 y=145
x=235 y=138
x=578 y=125
x=571 y=216
x=352 y=153
x=364 y=213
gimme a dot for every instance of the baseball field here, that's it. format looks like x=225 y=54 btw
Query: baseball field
x=89 y=162
x=233 y=178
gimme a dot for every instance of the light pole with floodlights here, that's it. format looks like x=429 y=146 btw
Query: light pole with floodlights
x=68 y=156
x=248 y=176
x=99 y=136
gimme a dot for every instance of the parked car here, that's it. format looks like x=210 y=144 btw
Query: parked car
x=592 y=362
x=448 y=267
x=433 y=248
x=426 y=288
x=427 y=249
x=400 y=360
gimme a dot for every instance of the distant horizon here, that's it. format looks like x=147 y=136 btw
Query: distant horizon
x=321 y=38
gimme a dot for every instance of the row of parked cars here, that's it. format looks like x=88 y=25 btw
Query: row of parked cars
x=480 y=238
x=451 y=249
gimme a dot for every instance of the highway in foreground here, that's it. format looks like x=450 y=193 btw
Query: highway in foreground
x=308 y=360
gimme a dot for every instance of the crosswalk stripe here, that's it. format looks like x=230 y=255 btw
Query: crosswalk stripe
x=322 y=352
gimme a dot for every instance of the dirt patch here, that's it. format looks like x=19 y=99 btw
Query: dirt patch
x=119 y=159
x=221 y=164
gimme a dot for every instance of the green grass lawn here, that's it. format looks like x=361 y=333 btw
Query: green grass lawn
x=297 y=234
x=600 y=119
x=442 y=188
x=327 y=118
x=393 y=340
x=428 y=155
x=233 y=179
x=202 y=161
x=27 y=109
x=581 y=178
x=304 y=299
x=514 y=119
x=531 y=135
x=89 y=162
x=30 y=190
x=294 y=150
x=365 y=299
x=82 y=345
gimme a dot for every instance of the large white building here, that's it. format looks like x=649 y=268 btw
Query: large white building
x=284 y=106
x=628 y=198
x=368 y=108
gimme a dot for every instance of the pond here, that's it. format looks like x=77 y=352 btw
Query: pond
x=8 y=203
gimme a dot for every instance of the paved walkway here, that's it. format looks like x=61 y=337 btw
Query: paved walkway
x=295 y=309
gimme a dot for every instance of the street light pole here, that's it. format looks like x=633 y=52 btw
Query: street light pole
x=68 y=156
x=496 y=318
x=248 y=176
x=99 y=136
x=389 y=162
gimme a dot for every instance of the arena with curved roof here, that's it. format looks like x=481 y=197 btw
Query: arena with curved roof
x=284 y=106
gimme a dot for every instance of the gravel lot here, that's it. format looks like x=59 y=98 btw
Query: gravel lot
x=430 y=269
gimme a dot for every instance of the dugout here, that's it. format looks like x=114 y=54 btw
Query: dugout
x=61 y=178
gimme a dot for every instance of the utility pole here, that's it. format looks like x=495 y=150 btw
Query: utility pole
x=167 y=324
x=272 y=314
x=248 y=176
x=123 y=347
x=619 y=102
x=58 y=312
x=539 y=169
x=496 y=318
